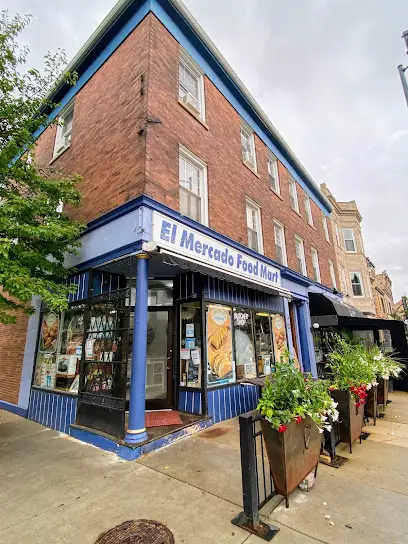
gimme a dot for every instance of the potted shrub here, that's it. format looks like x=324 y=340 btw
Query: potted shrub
x=352 y=376
x=385 y=367
x=295 y=409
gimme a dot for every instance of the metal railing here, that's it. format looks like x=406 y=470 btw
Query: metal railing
x=257 y=483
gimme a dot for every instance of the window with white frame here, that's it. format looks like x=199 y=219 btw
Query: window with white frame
x=343 y=280
x=332 y=275
x=272 y=164
x=308 y=210
x=300 y=256
x=356 y=284
x=64 y=129
x=248 y=146
x=280 y=245
x=336 y=232
x=315 y=264
x=349 y=240
x=254 y=226
x=326 y=229
x=193 y=186
x=293 y=195
x=191 y=86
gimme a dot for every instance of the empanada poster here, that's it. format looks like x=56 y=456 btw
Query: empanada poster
x=279 y=336
x=219 y=345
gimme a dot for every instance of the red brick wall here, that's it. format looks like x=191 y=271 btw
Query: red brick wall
x=106 y=148
x=229 y=180
x=12 y=344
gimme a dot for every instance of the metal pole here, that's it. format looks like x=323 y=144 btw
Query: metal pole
x=401 y=71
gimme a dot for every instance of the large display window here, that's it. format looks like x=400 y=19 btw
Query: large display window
x=190 y=345
x=244 y=344
x=220 y=363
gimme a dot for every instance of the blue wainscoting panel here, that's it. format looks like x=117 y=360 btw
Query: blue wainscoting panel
x=52 y=410
x=232 y=401
x=81 y=281
x=190 y=401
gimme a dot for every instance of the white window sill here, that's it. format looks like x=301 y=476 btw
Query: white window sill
x=193 y=114
x=296 y=211
x=57 y=155
x=276 y=193
x=251 y=169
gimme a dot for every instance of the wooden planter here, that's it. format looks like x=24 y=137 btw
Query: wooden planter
x=371 y=406
x=350 y=423
x=293 y=454
x=382 y=395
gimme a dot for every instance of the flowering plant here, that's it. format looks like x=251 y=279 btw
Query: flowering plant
x=292 y=396
x=384 y=366
x=351 y=369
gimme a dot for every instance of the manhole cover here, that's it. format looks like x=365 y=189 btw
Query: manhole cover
x=141 y=531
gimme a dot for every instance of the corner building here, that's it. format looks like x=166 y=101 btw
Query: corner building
x=205 y=238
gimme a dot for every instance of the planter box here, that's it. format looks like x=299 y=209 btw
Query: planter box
x=382 y=395
x=371 y=406
x=293 y=454
x=350 y=423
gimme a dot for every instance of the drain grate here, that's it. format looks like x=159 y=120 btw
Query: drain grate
x=140 y=531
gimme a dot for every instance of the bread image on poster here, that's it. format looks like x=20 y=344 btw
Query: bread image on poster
x=280 y=343
x=219 y=344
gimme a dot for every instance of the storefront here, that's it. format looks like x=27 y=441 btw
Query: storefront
x=179 y=323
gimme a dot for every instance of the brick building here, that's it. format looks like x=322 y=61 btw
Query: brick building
x=205 y=238
x=381 y=287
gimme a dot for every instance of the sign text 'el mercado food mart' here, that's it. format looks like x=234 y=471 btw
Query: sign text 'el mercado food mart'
x=182 y=240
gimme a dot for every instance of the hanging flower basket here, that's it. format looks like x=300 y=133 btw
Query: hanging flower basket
x=296 y=410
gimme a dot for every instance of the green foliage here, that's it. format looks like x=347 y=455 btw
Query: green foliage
x=349 y=366
x=34 y=237
x=384 y=366
x=290 y=395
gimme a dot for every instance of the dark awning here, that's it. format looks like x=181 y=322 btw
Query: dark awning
x=194 y=266
x=325 y=310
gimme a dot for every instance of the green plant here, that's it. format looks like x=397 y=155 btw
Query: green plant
x=290 y=395
x=384 y=366
x=349 y=366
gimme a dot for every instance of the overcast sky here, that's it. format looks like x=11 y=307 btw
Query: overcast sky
x=325 y=73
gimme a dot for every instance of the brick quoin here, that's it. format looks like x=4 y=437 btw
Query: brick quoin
x=121 y=156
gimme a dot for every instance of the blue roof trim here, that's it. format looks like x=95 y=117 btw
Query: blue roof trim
x=185 y=35
x=110 y=256
x=152 y=204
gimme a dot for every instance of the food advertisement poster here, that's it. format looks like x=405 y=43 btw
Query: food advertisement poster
x=280 y=343
x=220 y=368
x=49 y=333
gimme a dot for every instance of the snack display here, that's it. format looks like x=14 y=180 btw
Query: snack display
x=219 y=346
x=279 y=335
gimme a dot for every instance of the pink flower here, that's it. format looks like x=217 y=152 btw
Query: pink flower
x=282 y=428
x=298 y=419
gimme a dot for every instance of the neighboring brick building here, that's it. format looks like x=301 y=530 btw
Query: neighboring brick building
x=381 y=287
x=189 y=188
x=355 y=282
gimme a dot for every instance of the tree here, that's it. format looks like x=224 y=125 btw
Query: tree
x=34 y=236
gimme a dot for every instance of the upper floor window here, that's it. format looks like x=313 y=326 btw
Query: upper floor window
x=293 y=195
x=193 y=186
x=332 y=275
x=343 y=280
x=191 y=86
x=64 y=129
x=349 y=240
x=308 y=210
x=315 y=264
x=326 y=229
x=254 y=226
x=272 y=164
x=280 y=243
x=248 y=147
x=356 y=284
x=336 y=232
x=300 y=256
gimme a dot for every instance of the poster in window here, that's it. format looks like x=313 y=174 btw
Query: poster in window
x=49 y=333
x=280 y=343
x=220 y=368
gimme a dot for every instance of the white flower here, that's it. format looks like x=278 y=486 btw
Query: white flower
x=385 y=376
x=320 y=430
x=335 y=404
x=323 y=418
x=328 y=427
x=369 y=386
x=375 y=383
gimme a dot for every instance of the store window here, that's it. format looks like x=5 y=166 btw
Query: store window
x=244 y=344
x=220 y=364
x=190 y=344
x=60 y=349
x=263 y=343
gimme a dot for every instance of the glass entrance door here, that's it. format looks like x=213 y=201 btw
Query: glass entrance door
x=159 y=383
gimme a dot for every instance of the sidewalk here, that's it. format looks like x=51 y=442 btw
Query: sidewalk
x=54 y=489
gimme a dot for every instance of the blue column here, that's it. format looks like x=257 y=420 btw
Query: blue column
x=136 y=432
x=306 y=340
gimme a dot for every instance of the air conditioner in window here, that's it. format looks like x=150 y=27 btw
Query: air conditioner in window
x=191 y=103
x=248 y=159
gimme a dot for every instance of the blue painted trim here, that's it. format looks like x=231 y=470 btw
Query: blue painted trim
x=54 y=410
x=228 y=402
x=14 y=408
x=132 y=453
x=187 y=37
x=115 y=254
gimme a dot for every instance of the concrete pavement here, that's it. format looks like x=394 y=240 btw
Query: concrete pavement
x=54 y=489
